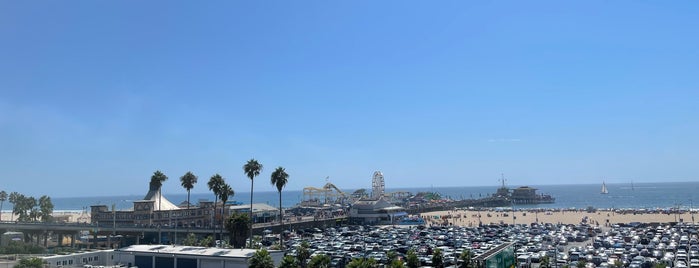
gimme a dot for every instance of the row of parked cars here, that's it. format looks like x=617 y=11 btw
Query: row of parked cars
x=637 y=246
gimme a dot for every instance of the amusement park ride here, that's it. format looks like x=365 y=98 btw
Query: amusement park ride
x=330 y=194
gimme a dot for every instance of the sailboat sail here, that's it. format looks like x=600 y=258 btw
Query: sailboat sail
x=604 y=188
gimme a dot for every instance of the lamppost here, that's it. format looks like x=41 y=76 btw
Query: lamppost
x=691 y=210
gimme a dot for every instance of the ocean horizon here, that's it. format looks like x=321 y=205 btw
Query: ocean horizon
x=621 y=195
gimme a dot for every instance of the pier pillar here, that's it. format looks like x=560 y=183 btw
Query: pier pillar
x=46 y=239
x=72 y=241
x=60 y=240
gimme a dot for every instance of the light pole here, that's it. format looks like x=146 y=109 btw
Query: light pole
x=691 y=210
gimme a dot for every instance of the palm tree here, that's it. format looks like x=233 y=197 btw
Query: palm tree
x=252 y=169
x=188 y=181
x=237 y=227
x=156 y=181
x=215 y=184
x=226 y=192
x=279 y=179
x=3 y=197
x=261 y=259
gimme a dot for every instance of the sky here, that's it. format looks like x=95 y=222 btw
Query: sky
x=97 y=95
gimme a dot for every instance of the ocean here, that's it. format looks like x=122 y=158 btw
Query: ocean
x=621 y=195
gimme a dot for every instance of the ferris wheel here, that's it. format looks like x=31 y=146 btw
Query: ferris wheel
x=377 y=185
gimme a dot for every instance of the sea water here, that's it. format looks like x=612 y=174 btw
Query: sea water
x=621 y=195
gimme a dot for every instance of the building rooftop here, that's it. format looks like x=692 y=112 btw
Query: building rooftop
x=190 y=250
x=256 y=207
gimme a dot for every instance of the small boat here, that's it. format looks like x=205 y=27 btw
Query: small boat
x=604 y=189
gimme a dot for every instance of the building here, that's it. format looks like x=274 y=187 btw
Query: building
x=261 y=212
x=528 y=195
x=155 y=210
x=375 y=211
x=154 y=256
x=502 y=256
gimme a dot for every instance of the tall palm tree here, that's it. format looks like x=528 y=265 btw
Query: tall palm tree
x=188 y=181
x=252 y=169
x=279 y=179
x=215 y=185
x=226 y=192
x=156 y=182
x=3 y=197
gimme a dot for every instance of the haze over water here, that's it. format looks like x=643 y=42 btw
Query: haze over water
x=621 y=195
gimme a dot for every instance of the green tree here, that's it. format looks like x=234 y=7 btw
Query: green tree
x=156 y=182
x=13 y=200
x=411 y=259
x=252 y=169
x=288 y=262
x=3 y=197
x=25 y=207
x=188 y=180
x=391 y=256
x=30 y=263
x=660 y=265
x=396 y=264
x=237 y=226
x=465 y=259
x=15 y=247
x=45 y=208
x=302 y=253
x=437 y=258
x=618 y=264
x=215 y=185
x=279 y=179
x=226 y=192
x=363 y=263
x=581 y=264
x=207 y=241
x=190 y=240
x=319 y=261
x=545 y=262
x=261 y=259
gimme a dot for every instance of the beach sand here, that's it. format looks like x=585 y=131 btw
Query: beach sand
x=471 y=217
x=59 y=216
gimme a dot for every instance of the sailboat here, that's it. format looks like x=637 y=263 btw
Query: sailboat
x=604 y=189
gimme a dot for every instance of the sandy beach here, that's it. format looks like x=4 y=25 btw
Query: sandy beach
x=59 y=216
x=474 y=217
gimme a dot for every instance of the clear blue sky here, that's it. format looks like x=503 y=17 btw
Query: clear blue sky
x=96 y=95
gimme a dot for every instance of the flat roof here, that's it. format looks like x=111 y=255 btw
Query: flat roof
x=191 y=250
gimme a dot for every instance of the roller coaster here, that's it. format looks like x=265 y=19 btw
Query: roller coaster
x=328 y=194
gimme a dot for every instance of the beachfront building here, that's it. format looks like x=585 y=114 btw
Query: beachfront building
x=261 y=212
x=528 y=195
x=375 y=211
x=156 y=210
x=151 y=256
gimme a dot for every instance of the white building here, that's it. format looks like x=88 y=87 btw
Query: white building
x=156 y=256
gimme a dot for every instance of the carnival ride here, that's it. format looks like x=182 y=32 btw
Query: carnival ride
x=328 y=194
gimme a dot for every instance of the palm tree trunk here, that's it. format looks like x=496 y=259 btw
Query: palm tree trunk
x=187 y=213
x=281 y=223
x=252 y=181
x=213 y=220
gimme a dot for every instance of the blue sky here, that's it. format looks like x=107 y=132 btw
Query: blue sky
x=96 y=95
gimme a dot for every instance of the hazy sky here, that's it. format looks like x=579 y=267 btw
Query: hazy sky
x=96 y=95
